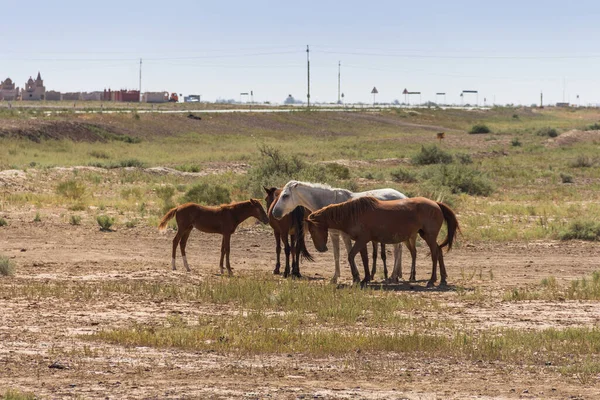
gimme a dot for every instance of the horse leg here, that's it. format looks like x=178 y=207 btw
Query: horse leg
x=383 y=259
x=358 y=246
x=227 y=251
x=364 y=254
x=176 y=240
x=434 y=248
x=335 y=242
x=278 y=251
x=348 y=244
x=286 y=248
x=411 y=244
x=397 y=273
x=182 y=245
x=374 y=267
x=222 y=256
x=442 y=267
x=295 y=257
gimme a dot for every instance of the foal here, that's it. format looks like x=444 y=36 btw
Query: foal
x=223 y=220
x=367 y=219
x=291 y=225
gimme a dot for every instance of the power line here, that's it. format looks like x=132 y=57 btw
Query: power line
x=461 y=57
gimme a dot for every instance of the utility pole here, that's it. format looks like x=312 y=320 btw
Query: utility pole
x=308 y=75
x=339 y=75
x=140 y=80
x=541 y=99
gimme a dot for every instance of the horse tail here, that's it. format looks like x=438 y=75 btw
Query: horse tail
x=452 y=224
x=298 y=224
x=168 y=216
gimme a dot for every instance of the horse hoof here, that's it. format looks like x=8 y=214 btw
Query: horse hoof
x=276 y=272
x=443 y=284
x=333 y=280
x=430 y=284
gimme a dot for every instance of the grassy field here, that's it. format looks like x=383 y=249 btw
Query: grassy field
x=513 y=183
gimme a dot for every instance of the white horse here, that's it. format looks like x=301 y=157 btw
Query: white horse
x=314 y=196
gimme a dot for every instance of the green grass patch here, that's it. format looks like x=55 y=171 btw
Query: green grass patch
x=105 y=222
x=579 y=289
x=7 y=267
x=479 y=128
x=432 y=155
x=581 y=230
x=205 y=193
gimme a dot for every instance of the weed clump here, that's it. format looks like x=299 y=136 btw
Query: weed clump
x=402 y=175
x=594 y=127
x=75 y=220
x=71 y=189
x=462 y=179
x=7 y=267
x=105 y=222
x=582 y=162
x=3 y=222
x=479 y=128
x=566 y=178
x=432 y=155
x=581 y=230
x=550 y=132
x=204 y=193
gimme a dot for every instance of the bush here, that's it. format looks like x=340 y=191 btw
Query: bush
x=582 y=230
x=432 y=155
x=132 y=162
x=3 y=222
x=37 y=218
x=99 y=154
x=582 y=162
x=204 y=193
x=7 y=267
x=480 y=128
x=550 y=132
x=594 y=127
x=462 y=179
x=516 y=142
x=566 y=178
x=464 y=158
x=71 y=189
x=337 y=170
x=75 y=220
x=403 y=175
x=105 y=222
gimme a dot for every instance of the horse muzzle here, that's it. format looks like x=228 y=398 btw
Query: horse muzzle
x=322 y=249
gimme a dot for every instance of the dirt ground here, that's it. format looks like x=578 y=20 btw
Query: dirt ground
x=37 y=333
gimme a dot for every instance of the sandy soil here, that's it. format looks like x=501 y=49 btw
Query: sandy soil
x=37 y=333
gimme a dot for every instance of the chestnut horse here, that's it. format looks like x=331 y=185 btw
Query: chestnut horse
x=291 y=225
x=367 y=219
x=223 y=219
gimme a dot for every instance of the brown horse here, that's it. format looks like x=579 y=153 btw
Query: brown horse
x=291 y=225
x=223 y=220
x=366 y=219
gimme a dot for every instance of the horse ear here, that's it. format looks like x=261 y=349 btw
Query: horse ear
x=266 y=190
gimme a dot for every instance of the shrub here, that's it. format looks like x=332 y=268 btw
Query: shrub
x=71 y=189
x=204 y=193
x=403 y=175
x=132 y=162
x=99 y=154
x=582 y=162
x=516 y=142
x=464 y=158
x=337 y=170
x=105 y=222
x=432 y=155
x=594 y=127
x=480 y=128
x=75 y=220
x=131 y=223
x=3 y=222
x=37 y=218
x=462 y=179
x=566 y=178
x=188 y=168
x=550 y=132
x=7 y=267
x=582 y=230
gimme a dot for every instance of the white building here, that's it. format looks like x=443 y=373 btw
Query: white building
x=8 y=91
x=34 y=90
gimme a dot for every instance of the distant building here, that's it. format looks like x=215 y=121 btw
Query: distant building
x=34 y=90
x=192 y=98
x=131 y=96
x=156 y=97
x=71 y=96
x=53 y=95
x=91 y=96
x=8 y=91
x=562 y=104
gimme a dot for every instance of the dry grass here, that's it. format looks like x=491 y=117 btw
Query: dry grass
x=579 y=289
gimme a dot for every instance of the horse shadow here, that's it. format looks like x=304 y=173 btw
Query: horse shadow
x=404 y=286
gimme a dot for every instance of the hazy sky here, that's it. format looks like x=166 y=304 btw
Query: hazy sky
x=507 y=50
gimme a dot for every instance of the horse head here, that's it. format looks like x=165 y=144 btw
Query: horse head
x=318 y=233
x=272 y=194
x=286 y=202
x=259 y=212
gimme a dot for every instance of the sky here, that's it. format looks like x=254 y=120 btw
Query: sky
x=508 y=51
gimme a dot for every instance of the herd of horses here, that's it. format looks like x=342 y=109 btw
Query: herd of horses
x=382 y=216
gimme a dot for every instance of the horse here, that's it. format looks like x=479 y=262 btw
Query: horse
x=293 y=225
x=223 y=219
x=367 y=219
x=315 y=196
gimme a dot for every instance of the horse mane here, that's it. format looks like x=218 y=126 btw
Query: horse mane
x=315 y=185
x=347 y=211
